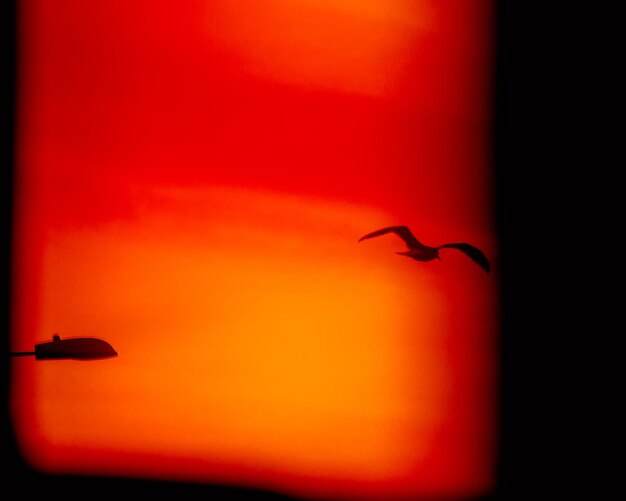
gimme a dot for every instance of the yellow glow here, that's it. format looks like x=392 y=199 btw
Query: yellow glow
x=284 y=343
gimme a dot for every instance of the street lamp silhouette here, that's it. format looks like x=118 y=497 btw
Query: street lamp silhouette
x=79 y=348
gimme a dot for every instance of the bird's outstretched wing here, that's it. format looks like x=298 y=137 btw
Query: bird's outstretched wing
x=402 y=231
x=474 y=253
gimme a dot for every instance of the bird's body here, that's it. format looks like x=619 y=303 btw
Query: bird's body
x=420 y=252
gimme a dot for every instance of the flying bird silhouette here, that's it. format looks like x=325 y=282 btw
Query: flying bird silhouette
x=421 y=252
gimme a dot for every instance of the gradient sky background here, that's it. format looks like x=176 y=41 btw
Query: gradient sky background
x=192 y=179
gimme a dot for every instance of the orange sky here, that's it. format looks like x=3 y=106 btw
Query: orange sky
x=192 y=180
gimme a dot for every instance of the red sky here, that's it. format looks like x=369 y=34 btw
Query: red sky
x=192 y=180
